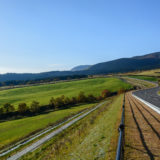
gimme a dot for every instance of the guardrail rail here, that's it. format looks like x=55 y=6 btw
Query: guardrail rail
x=120 y=146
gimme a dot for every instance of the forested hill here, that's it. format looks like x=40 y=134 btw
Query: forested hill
x=149 y=61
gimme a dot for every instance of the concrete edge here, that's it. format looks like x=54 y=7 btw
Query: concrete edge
x=155 y=108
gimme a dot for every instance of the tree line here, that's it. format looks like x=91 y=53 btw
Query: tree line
x=8 y=110
x=42 y=80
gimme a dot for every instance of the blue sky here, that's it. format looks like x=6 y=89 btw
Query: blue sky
x=46 y=35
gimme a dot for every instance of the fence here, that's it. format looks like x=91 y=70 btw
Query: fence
x=120 y=147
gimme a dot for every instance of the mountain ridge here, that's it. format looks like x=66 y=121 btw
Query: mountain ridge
x=144 y=62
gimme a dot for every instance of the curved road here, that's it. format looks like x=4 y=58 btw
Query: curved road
x=149 y=95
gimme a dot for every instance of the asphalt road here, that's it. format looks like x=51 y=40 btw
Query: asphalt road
x=52 y=134
x=149 y=95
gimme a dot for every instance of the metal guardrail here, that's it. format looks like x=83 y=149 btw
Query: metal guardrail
x=120 y=147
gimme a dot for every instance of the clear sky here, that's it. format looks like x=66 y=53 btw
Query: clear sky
x=46 y=35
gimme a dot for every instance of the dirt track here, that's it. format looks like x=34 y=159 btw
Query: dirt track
x=142 y=131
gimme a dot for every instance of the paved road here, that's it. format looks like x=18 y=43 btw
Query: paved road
x=49 y=136
x=149 y=95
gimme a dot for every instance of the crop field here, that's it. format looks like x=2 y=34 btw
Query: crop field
x=14 y=130
x=88 y=139
x=43 y=93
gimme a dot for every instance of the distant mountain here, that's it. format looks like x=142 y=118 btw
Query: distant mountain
x=149 y=61
x=81 y=68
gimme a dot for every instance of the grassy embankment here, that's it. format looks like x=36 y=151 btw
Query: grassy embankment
x=43 y=93
x=15 y=130
x=94 y=137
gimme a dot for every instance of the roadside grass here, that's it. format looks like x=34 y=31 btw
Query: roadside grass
x=138 y=82
x=43 y=93
x=88 y=139
x=15 y=130
x=148 y=78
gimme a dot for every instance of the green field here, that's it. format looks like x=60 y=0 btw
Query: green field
x=43 y=93
x=148 y=78
x=11 y=131
x=89 y=139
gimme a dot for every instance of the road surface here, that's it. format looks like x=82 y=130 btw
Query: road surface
x=149 y=95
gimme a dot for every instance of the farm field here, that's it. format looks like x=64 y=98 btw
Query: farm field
x=87 y=139
x=43 y=93
x=12 y=131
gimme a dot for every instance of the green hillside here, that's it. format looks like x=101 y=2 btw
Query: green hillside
x=43 y=93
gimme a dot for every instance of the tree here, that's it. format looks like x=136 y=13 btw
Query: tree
x=121 y=91
x=91 y=98
x=73 y=100
x=8 y=108
x=34 y=106
x=67 y=101
x=22 y=108
x=52 y=102
x=81 y=97
x=1 y=111
x=59 y=102
x=106 y=93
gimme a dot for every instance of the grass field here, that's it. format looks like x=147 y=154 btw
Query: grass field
x=43 y=93
x=153 y=72
x=12 y=131
x=89 y=139
x=148 y=78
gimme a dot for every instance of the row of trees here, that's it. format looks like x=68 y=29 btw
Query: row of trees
x=54 y=103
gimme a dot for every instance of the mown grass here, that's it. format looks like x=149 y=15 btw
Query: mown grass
x=43 y=93
x=148 y=78
x=12 y=131
x=89 y=139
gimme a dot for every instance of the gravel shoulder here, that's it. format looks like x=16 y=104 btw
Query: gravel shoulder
x=142 y=131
